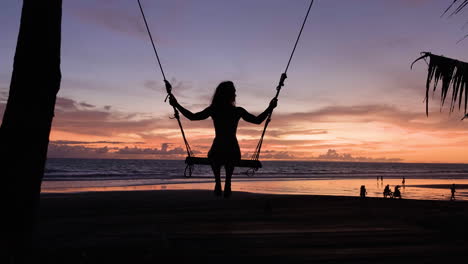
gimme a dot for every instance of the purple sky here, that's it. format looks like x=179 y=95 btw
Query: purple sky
x=353 y=54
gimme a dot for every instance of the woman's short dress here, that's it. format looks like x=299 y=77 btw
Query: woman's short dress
x=225 y=148
x=225 y=151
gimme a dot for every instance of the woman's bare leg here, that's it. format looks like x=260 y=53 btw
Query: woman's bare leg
x=227 y=186
x=217 y=173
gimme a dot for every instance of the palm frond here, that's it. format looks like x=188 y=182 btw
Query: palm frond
x=452 y=73
x=462 y=39
x=448 y=8
x=461 y=6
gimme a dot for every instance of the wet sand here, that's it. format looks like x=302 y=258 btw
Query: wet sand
x=441 y=186
x=195 y=226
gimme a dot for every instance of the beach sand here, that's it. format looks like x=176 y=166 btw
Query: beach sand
x=195 y=226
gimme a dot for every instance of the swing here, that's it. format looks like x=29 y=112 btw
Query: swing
x=253 y=163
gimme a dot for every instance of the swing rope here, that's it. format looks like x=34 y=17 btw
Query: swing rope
x=258 y=149
x=152 y=42
x=298 y=37
x=168 y=85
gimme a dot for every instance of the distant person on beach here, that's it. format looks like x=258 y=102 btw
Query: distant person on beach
x=225 y=149
x=403 y=181
x=387 y=191
x=397 y=192
x=363 y=191
x=452 y=189
x=381 y=178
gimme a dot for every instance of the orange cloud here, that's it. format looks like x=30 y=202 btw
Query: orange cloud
x=364 y=132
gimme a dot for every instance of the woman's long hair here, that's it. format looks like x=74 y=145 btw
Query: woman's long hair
x=224 y=96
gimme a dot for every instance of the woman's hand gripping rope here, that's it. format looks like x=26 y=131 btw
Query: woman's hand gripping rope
x=274 y=101
x=170 y=96
x=168 y=90
x=273 y=104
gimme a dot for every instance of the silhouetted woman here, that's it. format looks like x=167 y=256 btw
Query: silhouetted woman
x=225 y=149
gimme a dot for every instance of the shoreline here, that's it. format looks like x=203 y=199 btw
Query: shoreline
x=193 y=225
x=418 y=189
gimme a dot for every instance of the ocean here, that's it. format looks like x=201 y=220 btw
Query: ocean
x=422 y=180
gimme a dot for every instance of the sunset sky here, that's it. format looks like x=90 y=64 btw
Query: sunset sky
x=350 y=94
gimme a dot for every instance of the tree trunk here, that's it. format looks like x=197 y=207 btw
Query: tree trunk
x=24 y=134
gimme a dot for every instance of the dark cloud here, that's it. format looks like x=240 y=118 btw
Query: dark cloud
x=83 y=104
x=118 y=20
x=65 y=104
x=67 y=151
x=2 y=109
x=407 y=119
x=333 y=155
x=72 y=149
x=164 y=150
x=3 y=96
x=71 y=117
x=284 y=142
x=277 y=155
x=276 y=133
x=153 y=85
x=279 y=133
x=364 y=113
x=70 y=142
x=124 y=16
x=3 y=101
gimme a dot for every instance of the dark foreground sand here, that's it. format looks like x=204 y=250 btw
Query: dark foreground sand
x=195 y=227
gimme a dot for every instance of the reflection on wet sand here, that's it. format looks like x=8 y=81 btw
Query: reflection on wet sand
x=420 y=189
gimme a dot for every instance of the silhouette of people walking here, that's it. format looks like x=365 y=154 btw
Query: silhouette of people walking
x=397 y=192
x=381 y=178
x=452 y=189
x=363 y=191
x=387 y=192
x=225 y=149
x=403 y=181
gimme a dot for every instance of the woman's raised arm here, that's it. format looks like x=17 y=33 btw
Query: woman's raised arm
x=261 y=117
x=189 y=115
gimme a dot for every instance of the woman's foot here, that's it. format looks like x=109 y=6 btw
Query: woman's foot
x=227 y=191
x=217 y=190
